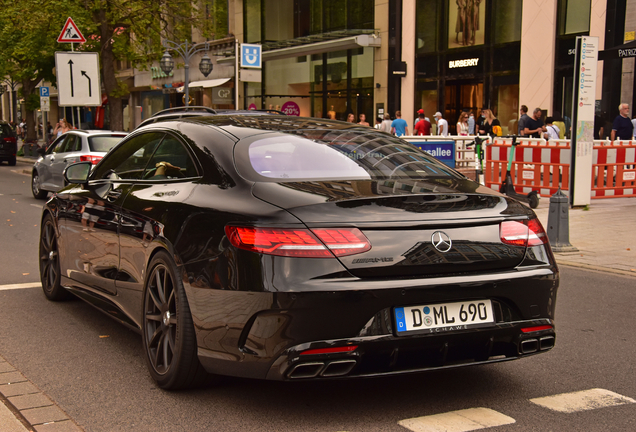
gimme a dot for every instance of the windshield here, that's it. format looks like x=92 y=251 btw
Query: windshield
x=103 y=143
x=346 y=155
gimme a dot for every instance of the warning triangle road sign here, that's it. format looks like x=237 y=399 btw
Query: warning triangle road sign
x=70 y=33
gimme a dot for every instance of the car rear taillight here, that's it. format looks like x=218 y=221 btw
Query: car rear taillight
x=523 y=233
x=90 y=158
x=316 y=243
x=10 y=139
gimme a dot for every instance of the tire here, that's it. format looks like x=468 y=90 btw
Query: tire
x=50 y=262
x=533 y=200
x=12 y=161
x=167 y=330
x=35 y=187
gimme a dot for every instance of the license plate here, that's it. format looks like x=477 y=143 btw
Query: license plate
x=443 y=317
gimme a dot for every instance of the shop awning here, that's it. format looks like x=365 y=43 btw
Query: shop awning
x=627 y=50
x=209 y=83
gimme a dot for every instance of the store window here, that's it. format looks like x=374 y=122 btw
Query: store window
x=506 y=21
x=505 y=102
x=574 y=16
x=279 y=20
x=428 y=16
x=466 y=23
x=329 y=85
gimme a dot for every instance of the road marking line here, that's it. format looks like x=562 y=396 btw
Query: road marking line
x=21 y=286
x=582 y=400
x=457 y=421
x=37 y=205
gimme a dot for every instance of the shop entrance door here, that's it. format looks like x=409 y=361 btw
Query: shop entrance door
x=461 y=96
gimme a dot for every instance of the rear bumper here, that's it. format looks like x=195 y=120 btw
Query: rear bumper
x=262 y=334
x=390 y=355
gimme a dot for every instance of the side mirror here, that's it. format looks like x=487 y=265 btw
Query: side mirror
x=78 y=173
x=41 y=151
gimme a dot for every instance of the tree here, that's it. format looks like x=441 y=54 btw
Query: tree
x=131 y=31
x=27 y=47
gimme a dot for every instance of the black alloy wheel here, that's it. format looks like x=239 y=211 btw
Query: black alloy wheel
x=168 y=332
x=50 y=262
x=37 y=192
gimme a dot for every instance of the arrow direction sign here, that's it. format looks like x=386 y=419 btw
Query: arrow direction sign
x=89 y=83
x=72 y=68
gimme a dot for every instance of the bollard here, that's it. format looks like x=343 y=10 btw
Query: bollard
x=558 y=223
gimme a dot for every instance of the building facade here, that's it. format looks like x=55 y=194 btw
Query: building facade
x=329 y=59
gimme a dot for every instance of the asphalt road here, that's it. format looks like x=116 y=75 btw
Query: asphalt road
x=93 y=368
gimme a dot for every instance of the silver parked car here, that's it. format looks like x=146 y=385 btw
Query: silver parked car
x=73 y=146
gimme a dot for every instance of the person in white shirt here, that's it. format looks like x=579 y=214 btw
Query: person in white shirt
x=442 y=125
x=552 y=130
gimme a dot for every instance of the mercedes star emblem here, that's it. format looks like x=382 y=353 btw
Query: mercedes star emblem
x=441 y=241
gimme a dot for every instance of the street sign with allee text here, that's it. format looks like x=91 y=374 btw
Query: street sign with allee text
x=78 y=82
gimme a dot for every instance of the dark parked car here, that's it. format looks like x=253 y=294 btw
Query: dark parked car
x=8 y=144
x=290 y=248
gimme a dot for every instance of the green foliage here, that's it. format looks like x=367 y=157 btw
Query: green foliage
x=32 y=101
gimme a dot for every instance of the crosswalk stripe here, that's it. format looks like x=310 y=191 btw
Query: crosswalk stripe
x=457 y=421
x=582 y=400
x=20 y=286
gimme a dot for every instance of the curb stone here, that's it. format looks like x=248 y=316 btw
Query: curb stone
x=35 y=411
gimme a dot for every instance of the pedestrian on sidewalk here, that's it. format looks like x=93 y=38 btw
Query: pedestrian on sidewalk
x=442 y=125
x=399 y=127
x=61 y=128
x=423 y=126
x=534 y=127
x=522 y=120
x=622 y=128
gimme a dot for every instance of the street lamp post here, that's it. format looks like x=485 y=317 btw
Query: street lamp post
x=186 y=51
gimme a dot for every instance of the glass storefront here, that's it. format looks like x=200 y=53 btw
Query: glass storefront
x=467 y=57
x=327 y=85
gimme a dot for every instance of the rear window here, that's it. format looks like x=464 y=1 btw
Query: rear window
x=328 y=155
x=103 y=143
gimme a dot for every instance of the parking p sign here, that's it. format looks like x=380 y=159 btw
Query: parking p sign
x=44 y=92
x=251 y=56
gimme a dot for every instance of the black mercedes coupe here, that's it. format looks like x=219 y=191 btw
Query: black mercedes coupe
x=290 y=248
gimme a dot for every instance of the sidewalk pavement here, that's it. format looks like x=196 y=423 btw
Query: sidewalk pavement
x=604 y=234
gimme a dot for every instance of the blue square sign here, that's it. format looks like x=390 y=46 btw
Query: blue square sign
x=251 y=56
x=44 y=92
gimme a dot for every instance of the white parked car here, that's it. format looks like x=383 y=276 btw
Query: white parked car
x=73 y=146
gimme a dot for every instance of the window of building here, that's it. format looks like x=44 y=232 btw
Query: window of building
x=506 y=19
x=278 y=20
x=466 y=23
x=428 y=16
x=574 y=16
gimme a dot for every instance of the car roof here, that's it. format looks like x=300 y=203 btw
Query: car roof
x=93 y=132
x=244 y=125
x=195 y=111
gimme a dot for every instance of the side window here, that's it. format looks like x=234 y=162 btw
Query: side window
x=57 y=146
x=129 y=160
x=170 y=161
x=75 y=145
x=71 y=143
